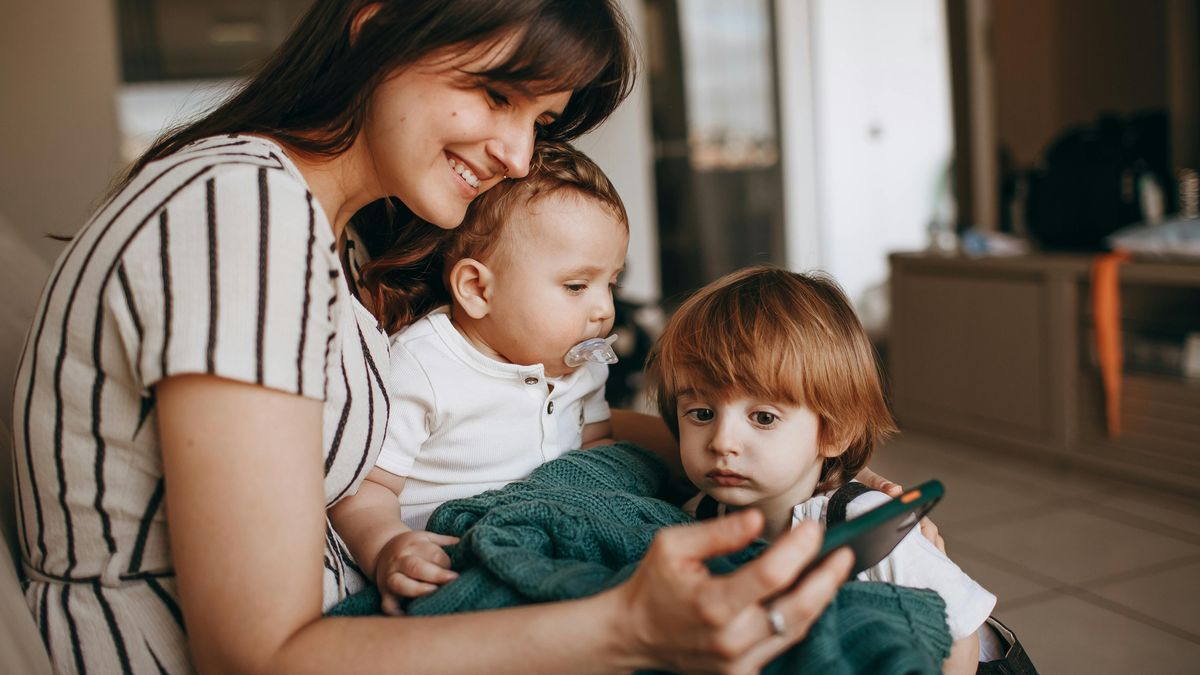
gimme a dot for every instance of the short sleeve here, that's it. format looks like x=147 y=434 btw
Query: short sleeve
x=236 y=276
x=413 y=411
x=917 y=563
x=595 y=406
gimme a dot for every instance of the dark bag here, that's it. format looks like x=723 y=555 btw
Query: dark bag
x=1088 y=187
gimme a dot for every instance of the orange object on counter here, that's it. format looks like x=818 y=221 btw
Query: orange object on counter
x=1106 y=315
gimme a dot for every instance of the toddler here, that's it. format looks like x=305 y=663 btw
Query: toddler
x=505 y=376
x=770 y=383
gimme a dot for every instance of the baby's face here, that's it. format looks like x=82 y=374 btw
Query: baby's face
x=554 y=286
x=746 y=452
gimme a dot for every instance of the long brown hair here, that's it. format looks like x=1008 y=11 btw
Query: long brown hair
x=312 y=93
x=408 y=280
x=768 y=333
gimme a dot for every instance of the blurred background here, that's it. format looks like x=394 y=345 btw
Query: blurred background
x=958 y=165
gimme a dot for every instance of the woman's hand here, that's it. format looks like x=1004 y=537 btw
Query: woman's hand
x=876 y=482
x=687 y=620
x=412 y=564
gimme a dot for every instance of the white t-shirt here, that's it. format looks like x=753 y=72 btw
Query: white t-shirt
x=463 y=423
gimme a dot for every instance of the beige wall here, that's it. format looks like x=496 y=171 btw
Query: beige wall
x=58 y=135
x=1061 y=62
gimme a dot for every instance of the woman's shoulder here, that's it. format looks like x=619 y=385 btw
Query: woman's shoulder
x=235 y=160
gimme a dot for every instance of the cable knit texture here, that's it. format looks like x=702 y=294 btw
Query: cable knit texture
x=579 y=525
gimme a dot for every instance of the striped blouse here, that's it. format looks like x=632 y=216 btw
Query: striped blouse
x=215 y=259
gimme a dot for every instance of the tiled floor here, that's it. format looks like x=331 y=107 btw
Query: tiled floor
x=1094 y=575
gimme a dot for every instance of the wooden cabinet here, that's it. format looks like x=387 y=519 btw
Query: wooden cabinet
x=997 y=352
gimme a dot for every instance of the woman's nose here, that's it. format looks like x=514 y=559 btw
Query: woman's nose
x=512 y=147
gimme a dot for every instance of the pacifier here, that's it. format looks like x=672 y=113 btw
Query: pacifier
x=596 y=350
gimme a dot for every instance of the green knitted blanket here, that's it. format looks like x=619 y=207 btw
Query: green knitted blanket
x=579 y=525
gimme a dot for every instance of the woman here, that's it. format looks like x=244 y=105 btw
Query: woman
x=200 y=367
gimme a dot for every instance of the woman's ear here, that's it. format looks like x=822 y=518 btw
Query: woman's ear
x=471 y=284
x=364 y=15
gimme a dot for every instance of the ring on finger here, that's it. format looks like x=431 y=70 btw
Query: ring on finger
x=776 y=620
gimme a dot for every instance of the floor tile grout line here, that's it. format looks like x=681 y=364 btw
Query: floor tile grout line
x=1140 y=522
x=1007 y=565
x=1019 y=468
x=1182 y=504
x=1132 y=614
x=1130 y=575
x=1057 y=587
x=974 y=551
x=991 y=519
x=1033 y=599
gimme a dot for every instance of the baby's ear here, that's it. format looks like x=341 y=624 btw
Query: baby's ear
x=471 y=284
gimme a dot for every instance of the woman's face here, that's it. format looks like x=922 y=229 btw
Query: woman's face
x=437 y=136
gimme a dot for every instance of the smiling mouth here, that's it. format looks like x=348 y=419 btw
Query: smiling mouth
x=726 y=478
x=464 y=171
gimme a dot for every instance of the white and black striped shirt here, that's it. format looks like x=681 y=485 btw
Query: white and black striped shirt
x=217 y=260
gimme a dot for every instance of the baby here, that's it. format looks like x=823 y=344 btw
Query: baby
x=770 y=383
x=508 y=375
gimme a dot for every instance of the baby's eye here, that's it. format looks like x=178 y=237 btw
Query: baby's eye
x=575 y=289
x=699 y=414
x=763 y=418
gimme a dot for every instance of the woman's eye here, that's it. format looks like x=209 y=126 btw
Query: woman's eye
x=495 y=96
x=764 y=419
x=699 y=414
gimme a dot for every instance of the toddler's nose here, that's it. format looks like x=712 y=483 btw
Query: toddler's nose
x=724 y=442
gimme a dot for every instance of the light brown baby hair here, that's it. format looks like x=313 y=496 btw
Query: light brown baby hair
x=408 y=281
x=775 y=335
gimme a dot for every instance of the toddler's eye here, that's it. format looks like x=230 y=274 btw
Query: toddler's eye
x=764 y=419
x=699 y=414
x=575 y=289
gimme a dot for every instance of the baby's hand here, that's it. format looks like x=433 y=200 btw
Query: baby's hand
x=411 y=565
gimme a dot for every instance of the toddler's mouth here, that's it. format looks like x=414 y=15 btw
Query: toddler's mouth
x=726 y=478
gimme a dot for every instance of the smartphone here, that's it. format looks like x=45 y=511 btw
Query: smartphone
x=874 y=534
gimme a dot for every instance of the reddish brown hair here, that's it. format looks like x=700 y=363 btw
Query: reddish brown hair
x=768 y=333
x=408 y=281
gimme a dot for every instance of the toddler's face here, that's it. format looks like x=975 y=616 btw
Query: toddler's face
x=745 y=452
x=554 y=288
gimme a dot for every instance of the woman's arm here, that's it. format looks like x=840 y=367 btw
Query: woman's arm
x=245 y=507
